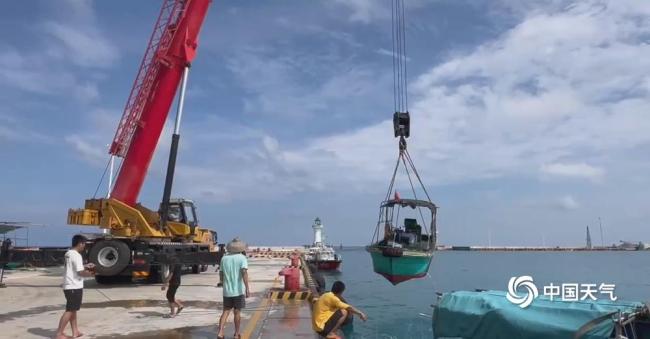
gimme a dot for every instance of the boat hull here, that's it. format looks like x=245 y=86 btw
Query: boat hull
x=410 y=265
x=326 y=265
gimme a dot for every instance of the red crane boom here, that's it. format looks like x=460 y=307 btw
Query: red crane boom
x=171 y=48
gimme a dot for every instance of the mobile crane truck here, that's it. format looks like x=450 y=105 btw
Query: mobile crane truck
x=140 y=243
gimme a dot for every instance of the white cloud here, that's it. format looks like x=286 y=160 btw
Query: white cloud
x=89 y=152
x=579 y=170
x=365 y=10
x=383 y=51
x=276 y=86
x=84 y=45
x=557 y=85
x=567 y=202
x=50 y=63
x=569 y=84
x=91 y=144
x=14 y=129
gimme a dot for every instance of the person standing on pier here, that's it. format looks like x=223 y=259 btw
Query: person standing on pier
x=172 y=283
x=73 y=284
x=234 y=275
x=330 y=312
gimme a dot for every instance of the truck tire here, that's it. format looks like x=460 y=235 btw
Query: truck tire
x=159 y=273
x=110 y=257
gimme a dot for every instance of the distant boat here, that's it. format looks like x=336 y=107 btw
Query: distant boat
x=321 y=255
x=405 y=252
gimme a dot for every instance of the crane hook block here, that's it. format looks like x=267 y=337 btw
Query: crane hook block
x=402 y=124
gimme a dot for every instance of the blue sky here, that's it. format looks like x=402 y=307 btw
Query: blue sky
x=530 y=118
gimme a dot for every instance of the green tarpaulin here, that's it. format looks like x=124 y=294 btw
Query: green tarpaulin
x=489 y=315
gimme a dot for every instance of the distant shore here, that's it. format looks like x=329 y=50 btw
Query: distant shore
x=536 y=248
x=475 y=248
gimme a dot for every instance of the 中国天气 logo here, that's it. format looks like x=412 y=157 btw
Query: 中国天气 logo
x=522 y=298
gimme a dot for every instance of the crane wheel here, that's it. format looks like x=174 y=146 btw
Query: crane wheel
x=110 y=257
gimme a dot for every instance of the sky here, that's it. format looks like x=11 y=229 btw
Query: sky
x=529 y=118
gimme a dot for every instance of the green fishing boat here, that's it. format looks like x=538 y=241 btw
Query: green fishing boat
x=404 y=252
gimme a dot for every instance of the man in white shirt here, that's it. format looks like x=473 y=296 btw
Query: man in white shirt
x=73 y=284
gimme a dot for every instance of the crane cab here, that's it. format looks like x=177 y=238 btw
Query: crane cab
x=182 y=211
x=182 y=214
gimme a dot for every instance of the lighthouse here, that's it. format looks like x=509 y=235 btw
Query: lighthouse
x=318 y=232
x=323 y=257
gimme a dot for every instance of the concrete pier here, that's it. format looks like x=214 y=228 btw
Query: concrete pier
x=287 y=319
x=32 y=302
x=290 y=318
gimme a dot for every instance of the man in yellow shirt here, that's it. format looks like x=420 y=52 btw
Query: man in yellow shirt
x=330 y=312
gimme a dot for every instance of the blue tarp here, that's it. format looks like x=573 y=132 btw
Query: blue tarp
x=489 y=315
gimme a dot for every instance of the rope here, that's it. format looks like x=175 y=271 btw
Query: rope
x=398 y=35
x=403 y=55
x=102 y=178
x=375 y=236
x=417 y=175
x=394 y=61
x=392 y=181
x=408 y=174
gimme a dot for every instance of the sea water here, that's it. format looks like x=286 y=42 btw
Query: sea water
x=404 y=311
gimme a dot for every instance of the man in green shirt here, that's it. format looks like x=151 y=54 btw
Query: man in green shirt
x=234 y=275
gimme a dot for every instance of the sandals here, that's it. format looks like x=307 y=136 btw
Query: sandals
x=179 y=310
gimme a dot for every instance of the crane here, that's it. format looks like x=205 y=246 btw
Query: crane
x=138 y=235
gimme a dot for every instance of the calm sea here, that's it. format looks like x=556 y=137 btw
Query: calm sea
x=404 y=311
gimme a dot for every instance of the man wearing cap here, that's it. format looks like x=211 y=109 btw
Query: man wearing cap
x=234 y=275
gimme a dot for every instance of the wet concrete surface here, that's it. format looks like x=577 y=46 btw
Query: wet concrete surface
x=127 y=304
x=280 y=320
x=32 y=303
x=288 y=319
x=196 y=332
